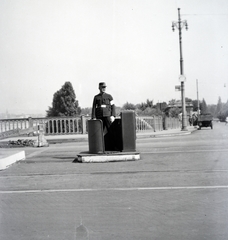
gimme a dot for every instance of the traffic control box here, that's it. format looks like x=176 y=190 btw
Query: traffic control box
x=121 y=136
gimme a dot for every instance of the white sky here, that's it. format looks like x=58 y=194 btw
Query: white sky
x=129 y=44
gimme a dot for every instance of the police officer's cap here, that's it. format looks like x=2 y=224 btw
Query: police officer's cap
x=102 y=84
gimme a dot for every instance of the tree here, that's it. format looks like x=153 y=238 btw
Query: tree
x=203 y=106
x=149 y=103
x=195 y=105
x=174 y=112
x=149 y=112
x=64 y=102
x=219 y=107
x=86 y=111
x=223 y=112
x=144 y=105
x=172 y=102
x=188 y=100
x=129 y=106
x=212 y=109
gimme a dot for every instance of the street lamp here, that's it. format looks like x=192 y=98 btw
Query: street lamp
x=179 y=25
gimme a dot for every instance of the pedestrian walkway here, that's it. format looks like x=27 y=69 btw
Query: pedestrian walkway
x=9 y=156
x=165 y=133
x=84 y=137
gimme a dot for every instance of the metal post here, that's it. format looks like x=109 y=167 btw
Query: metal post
x=198 y=107
x=83 y=124
x=179 y=26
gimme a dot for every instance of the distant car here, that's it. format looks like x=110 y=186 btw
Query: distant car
x=205 y=120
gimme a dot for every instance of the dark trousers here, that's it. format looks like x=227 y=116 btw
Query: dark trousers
x=109 y=134
x=106 y=124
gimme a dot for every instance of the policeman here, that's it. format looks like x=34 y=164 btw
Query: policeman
x=103 y=107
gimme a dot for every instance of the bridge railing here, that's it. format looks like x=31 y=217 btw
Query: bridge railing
x=50 y=126
x=75 y=125
x=144 y=123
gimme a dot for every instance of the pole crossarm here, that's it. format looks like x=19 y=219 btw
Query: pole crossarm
x=180 y=25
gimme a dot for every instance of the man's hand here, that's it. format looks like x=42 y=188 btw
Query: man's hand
x=112 y=119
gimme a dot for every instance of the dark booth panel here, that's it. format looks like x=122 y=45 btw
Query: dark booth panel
x=95 y=135
x=128 y=127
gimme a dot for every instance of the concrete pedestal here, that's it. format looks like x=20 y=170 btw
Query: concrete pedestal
x=86 y=157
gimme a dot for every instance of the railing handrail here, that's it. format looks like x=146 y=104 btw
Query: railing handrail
x=15 y=119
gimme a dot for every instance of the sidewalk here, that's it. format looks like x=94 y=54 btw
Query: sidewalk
x=84 y=137
x=11 y=155
x=165 y=133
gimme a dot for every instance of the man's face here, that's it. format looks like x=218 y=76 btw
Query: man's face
x=102 y=89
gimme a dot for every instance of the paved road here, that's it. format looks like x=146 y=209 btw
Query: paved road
x=178 y=190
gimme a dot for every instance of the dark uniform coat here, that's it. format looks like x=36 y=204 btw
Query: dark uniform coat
x=102 y=106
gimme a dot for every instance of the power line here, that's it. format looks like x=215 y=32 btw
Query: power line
x=205 y=14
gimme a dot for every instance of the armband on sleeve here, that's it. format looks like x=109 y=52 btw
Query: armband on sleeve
x=112 y=102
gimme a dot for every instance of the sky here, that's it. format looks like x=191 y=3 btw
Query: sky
x=129 y=44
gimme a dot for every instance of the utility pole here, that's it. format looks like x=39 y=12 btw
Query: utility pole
x=179 y=25
x=198 y=107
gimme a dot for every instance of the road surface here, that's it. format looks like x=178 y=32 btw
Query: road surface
x=177 y=191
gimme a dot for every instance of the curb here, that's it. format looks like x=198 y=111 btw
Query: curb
x=165 y=135
x=85 y=157
x=63 y=140
x=5 y=162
